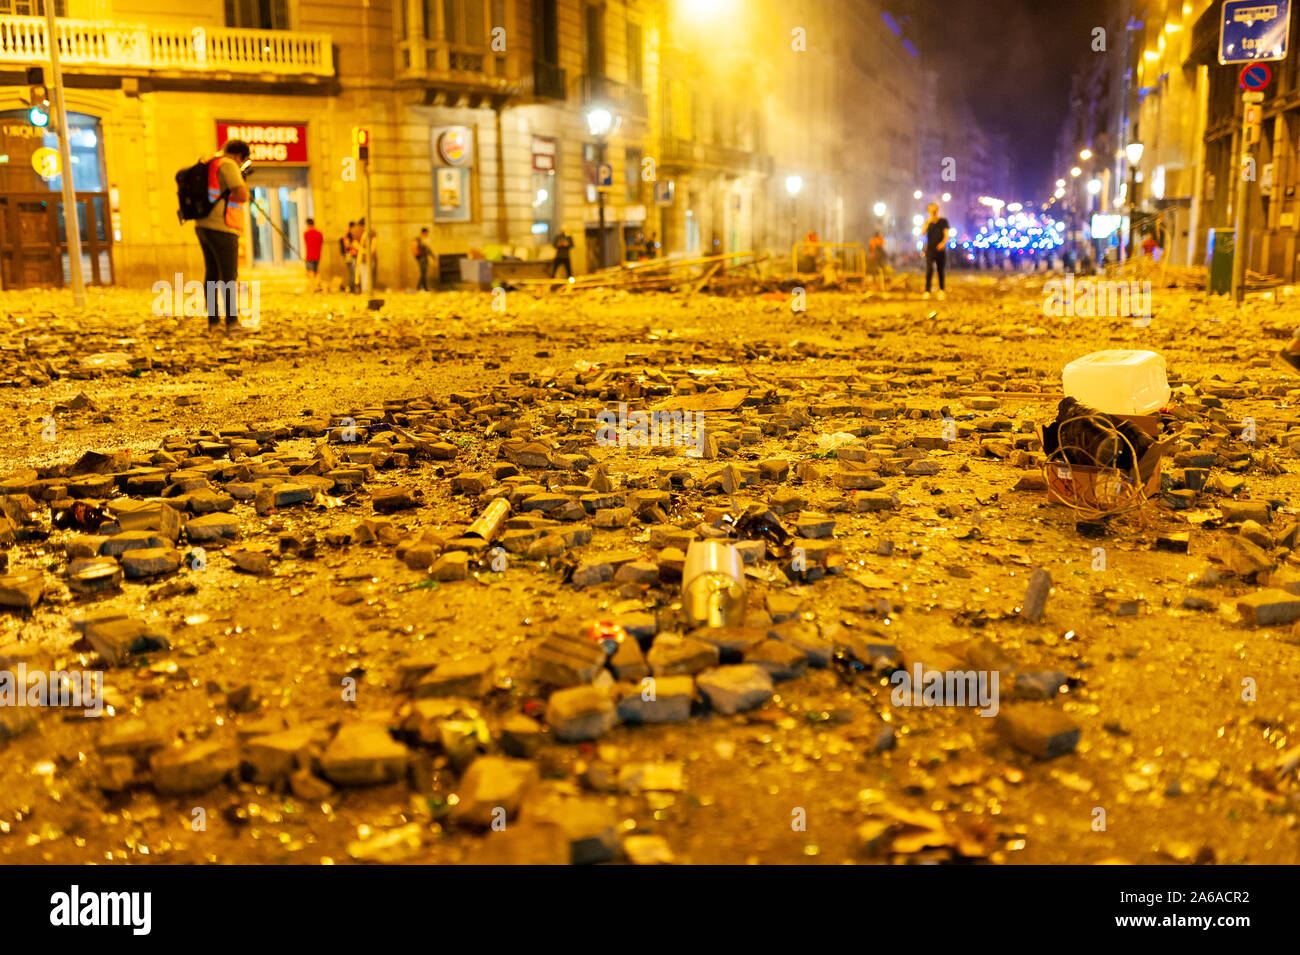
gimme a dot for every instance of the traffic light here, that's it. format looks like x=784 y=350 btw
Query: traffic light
x=38 y=97
x=361 y=143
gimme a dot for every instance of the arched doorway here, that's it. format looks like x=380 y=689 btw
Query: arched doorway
x=33 y=236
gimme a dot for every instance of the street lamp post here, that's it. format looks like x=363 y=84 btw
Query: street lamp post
x=601 y=123
x=1134 y=153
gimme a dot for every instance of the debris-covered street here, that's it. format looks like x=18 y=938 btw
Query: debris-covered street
x=321 y=639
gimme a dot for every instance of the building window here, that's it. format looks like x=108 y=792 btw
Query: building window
x=257 y=14
x=465 y=22
x=544 y=205
x=635 y=61
x=31 y=8
x=546 y=32
x=595 y=41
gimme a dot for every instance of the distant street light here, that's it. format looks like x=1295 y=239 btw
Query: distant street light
x=1076 y=172
x=1134 y=152
x=793 y=184
x=1085 y=154
x=601 y=122
x=1060 y=192
x=947 y=197
x=879 y=209
x=1094 y=186
x=1060 y=184
x=917 y=194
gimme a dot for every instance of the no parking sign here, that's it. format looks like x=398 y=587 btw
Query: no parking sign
x=1255 y=77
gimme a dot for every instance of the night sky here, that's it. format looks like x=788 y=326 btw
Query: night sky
x=1014 y=59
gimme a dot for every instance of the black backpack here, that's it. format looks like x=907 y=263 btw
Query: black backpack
x=192 y=192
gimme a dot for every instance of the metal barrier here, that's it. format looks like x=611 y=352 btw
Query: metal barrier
x=832 y=261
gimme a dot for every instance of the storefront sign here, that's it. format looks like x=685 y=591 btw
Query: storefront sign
x=268 y=144
x=544 y=153
x=455 y=144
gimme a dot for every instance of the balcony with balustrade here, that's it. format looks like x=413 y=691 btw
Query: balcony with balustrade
x=105 y=47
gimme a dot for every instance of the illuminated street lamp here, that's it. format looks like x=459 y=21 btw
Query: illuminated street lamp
x=917 y=194
x=1094 y=187
x=1076 y=172
x=792 y=186
x=1060 y=184
x=602 y=123
x=947 y=197
x=1085 y=154
x=1134 y=153
x=879 y=209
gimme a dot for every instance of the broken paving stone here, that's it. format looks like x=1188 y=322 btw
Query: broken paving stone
x=1035 y=602
x=562 y=660
x=115 y=640
x=627 y=662
x=1243 y=558
x=272 y=758
x=1268 y=608
x=1038 y=730
x=193 y=767
x=867 y=503
x=388 y=500
x=520 y=735
x=453 y=565
x=590 y=574
x=675 y=655
x=642 y=572
x=590 y=826
x=665 y=699
x=94 y=575
x=1235 y=512
x=580 y=713
x=1038 y=686
x=735 y=688
x=119 y=544
x=212 y=527
x=150 y=562
x=256 y=562
x=1175 y=543
x=781 y=660
x=363 y=754
x=803 y=636
x=492 y=787
x=471 y=676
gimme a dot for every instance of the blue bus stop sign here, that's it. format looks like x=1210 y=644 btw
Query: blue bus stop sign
x=1251 y=30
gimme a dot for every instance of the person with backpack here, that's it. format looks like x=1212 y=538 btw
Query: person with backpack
x=219 y=229
x=423 y=252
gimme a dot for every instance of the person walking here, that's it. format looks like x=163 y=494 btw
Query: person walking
x=936 y=248
x=876 y=260
x=563 y=247
x=348 y=249
x=312 y=242
x=218 y=232
x=422 y=249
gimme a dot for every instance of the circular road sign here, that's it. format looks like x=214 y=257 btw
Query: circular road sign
x=1255 y=76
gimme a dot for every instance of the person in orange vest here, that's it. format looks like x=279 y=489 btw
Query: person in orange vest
x=218 y=232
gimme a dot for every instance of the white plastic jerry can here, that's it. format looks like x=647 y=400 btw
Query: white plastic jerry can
x=1117 y=381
